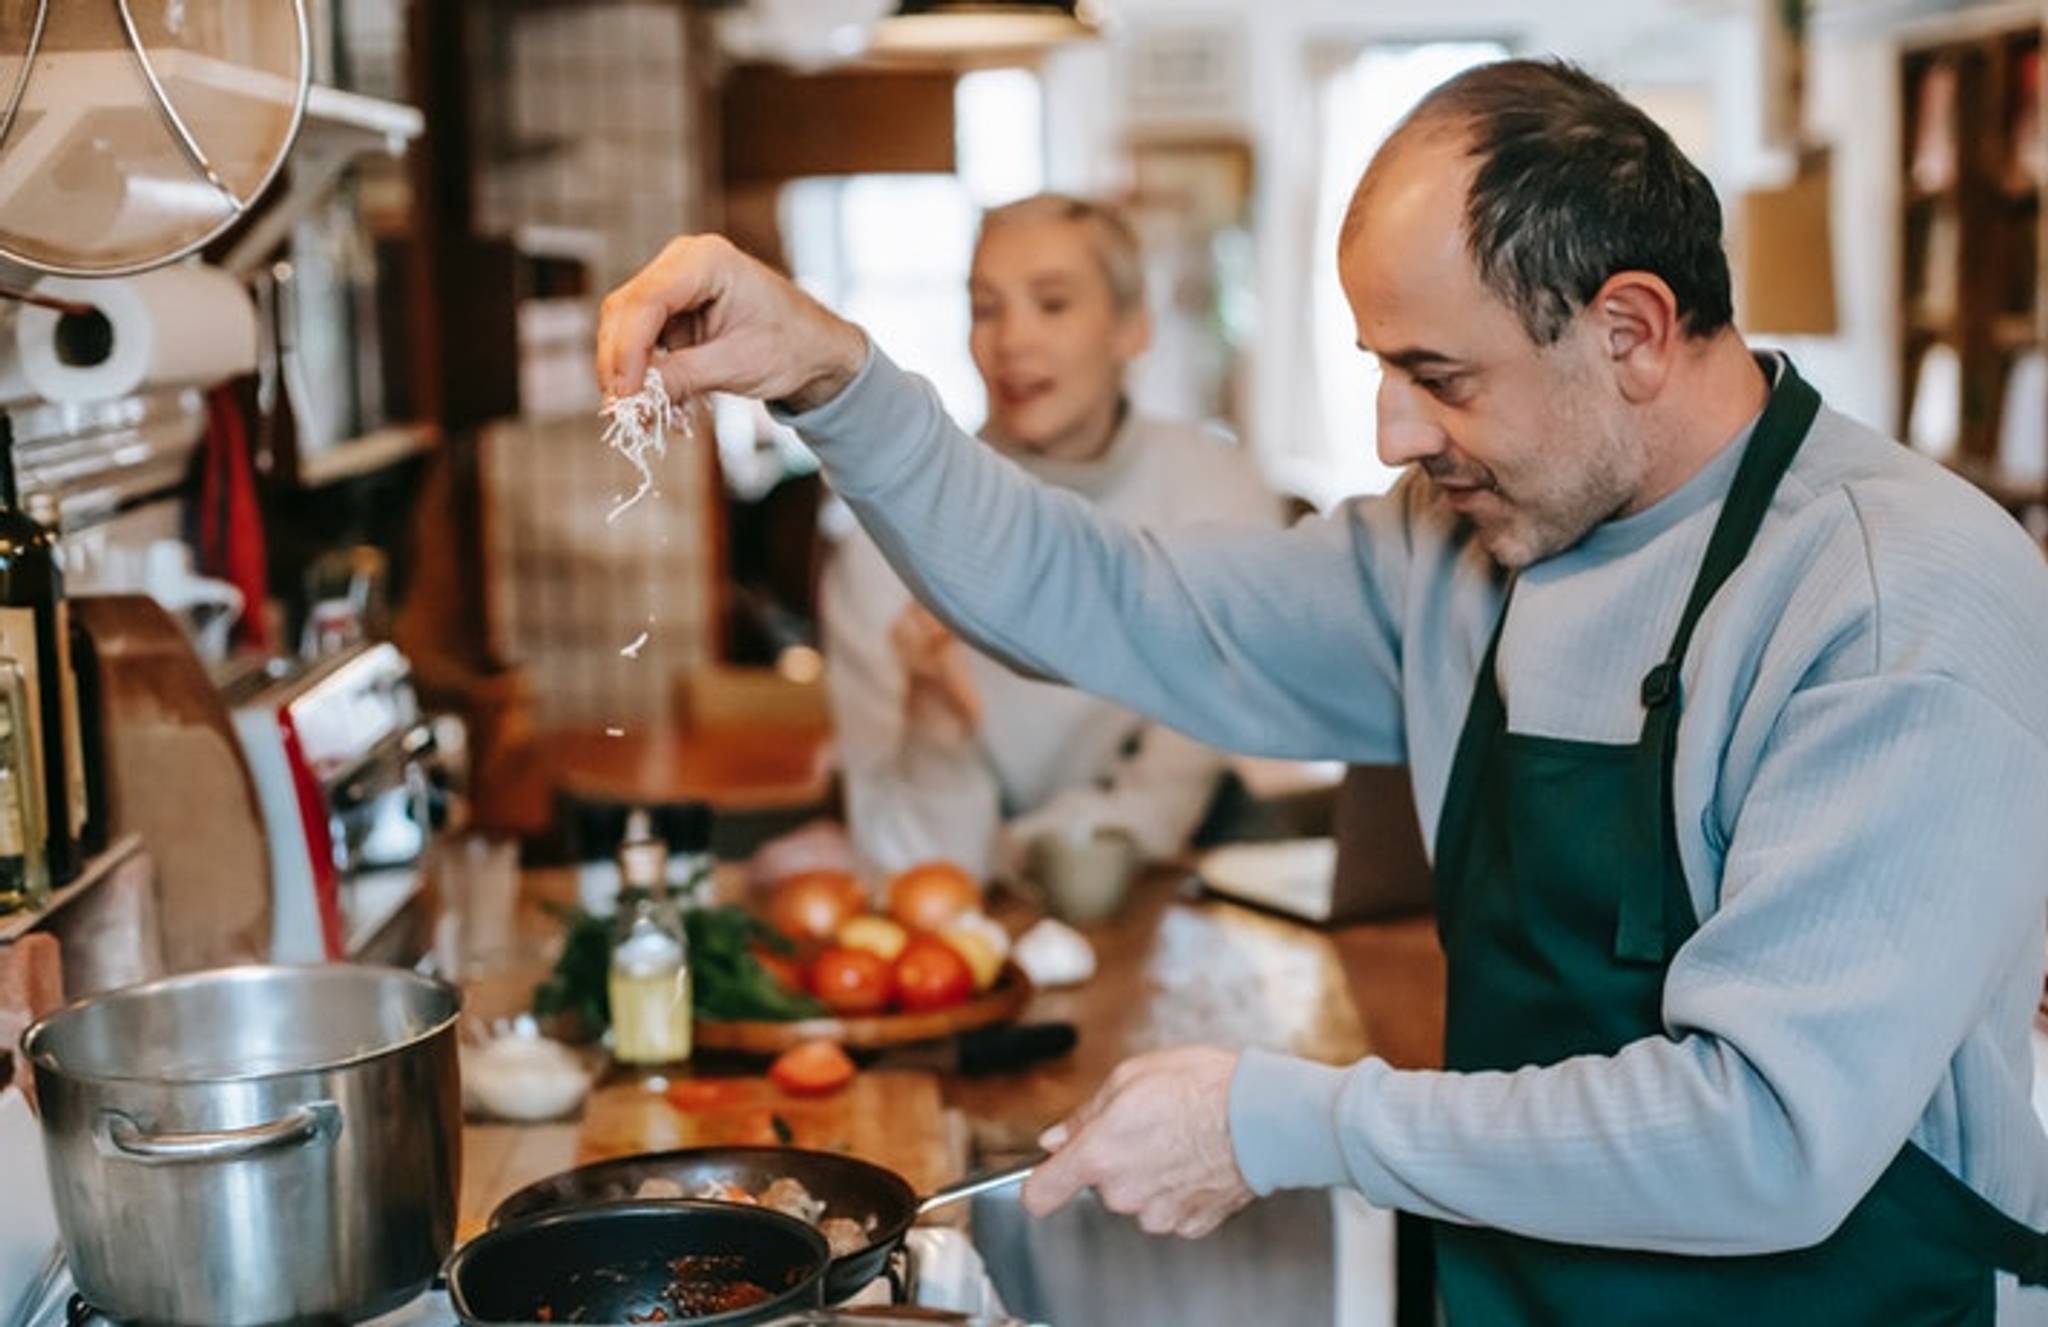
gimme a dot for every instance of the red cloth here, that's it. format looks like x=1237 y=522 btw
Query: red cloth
x=231 y=545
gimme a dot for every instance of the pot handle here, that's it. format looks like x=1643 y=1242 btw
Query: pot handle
x=976 y=1184
x=120 y=1135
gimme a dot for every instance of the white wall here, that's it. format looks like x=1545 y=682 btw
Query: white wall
x=1853 y=105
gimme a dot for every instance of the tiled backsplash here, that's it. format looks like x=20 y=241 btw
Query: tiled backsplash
x=582 y=121
x=570 y=592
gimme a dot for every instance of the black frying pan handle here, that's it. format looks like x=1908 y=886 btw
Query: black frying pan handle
x=977 y=1184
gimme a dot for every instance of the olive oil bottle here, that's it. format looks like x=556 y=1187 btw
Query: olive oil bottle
x=649 y=983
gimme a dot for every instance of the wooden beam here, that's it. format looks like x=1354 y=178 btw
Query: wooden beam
x=779 y=125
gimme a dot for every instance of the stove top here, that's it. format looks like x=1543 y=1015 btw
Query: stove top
x=903 y=1283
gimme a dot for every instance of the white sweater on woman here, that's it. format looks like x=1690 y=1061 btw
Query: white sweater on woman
x=1046 y=757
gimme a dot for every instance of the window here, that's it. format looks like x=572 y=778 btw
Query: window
x=1356 y=107
x=891 y=252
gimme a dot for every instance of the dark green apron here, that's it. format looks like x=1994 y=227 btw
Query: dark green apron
x=1561 y=898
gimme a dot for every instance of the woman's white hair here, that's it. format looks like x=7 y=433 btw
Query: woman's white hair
x=1109 y=235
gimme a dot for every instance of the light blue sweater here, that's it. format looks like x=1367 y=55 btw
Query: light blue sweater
x=1861 y=789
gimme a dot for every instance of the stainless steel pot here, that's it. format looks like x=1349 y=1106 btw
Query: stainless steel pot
x=254 y=1145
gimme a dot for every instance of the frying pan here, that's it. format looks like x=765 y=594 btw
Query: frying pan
x=611 y=1263
x=848 y=1186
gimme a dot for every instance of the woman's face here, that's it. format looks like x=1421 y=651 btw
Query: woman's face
x=1048 y=338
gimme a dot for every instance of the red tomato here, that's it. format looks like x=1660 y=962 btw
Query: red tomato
x=811 y=1068
x=851 y=981
x=930 y=974
x=695 y=1095
x=785 y=971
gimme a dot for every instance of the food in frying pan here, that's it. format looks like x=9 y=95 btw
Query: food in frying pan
x=700 y=1285
x=843 y=1234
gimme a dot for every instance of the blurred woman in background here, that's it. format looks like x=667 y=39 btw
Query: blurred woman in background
x=946 y=752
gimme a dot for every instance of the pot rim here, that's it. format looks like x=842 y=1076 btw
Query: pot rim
x=39 y=1029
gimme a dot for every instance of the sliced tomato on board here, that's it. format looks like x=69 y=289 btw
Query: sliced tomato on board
x=695 y=1096
x=812 y=1068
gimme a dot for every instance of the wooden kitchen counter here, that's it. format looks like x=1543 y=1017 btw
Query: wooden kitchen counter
x=1177 y=968
x=1173 y=970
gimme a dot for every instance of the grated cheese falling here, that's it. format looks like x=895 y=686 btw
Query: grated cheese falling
x=633 y=651
x=637 y=426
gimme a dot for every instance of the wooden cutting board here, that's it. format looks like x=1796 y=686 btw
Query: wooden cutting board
x=892 y=1117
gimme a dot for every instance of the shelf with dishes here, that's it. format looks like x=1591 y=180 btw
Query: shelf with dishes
x=1973 y=380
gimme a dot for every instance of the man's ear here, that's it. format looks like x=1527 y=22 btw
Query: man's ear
x=1635 y=315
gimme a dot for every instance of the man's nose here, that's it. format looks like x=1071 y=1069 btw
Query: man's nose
x=1406 y=434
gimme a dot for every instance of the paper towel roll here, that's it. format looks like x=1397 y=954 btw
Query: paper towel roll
x=178 y=326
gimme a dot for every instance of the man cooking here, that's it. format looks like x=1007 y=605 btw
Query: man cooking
x=1726 y=716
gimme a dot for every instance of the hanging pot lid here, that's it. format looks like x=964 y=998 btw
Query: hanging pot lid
x=132 y=132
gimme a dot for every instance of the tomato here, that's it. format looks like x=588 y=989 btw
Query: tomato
x=785 y=971
x=931 y=975
x=851 y=981
x=695 y=1095
x=811 y=1068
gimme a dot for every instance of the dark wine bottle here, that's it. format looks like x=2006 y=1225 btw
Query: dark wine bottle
x=32 y=633
x=81 y=695
x=92 y=740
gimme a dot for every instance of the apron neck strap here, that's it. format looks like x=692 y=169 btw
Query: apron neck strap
x=1779 y=430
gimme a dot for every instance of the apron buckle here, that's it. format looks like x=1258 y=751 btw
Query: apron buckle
x=1660 y=685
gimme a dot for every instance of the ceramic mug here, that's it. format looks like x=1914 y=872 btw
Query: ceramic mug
x=1085 y=878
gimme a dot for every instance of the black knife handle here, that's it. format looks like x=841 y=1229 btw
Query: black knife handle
x=1007 y=1046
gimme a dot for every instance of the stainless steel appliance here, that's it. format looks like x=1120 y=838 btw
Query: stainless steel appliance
x=254 y=1145
x=347 y=772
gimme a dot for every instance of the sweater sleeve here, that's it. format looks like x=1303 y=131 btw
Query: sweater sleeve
x=1893 y=826
x=1270 y=642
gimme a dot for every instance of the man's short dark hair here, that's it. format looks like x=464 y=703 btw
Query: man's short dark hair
x=1574 y=184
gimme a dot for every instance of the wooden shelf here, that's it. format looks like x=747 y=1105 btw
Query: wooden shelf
x=366 y=455
x=17 y=924
x=339 y=127
x=1977 y=244
x=2015 y=331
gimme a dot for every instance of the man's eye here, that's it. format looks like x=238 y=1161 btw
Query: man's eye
x=1441 y=388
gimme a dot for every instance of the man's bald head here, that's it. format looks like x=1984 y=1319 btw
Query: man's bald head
x=1564 y=184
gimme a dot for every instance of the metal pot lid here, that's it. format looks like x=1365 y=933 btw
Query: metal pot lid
x=132 y=132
